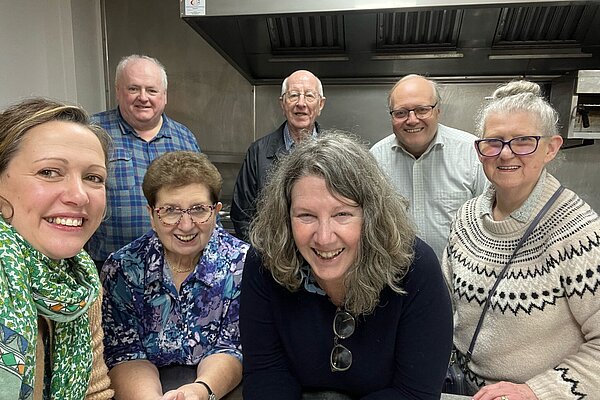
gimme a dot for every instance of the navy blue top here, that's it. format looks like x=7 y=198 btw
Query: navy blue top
x=400 y=351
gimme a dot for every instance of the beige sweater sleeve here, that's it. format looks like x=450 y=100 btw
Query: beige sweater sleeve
x=99 y=388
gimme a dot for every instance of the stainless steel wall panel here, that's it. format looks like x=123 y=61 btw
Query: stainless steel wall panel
x=228 y=113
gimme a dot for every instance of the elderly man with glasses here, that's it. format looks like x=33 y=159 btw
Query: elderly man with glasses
x=301 y=101
x=433 y=166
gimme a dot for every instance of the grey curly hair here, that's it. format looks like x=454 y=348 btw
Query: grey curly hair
x=350 y=171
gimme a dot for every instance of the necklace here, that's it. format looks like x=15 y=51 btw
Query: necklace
x=174 y=268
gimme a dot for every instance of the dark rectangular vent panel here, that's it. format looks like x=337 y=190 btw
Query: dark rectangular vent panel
x=437 y=29
x=306 y=34
x=544 y=26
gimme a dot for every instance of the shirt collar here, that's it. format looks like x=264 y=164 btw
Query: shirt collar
x=287 y=137
x=164 y=130
x=202 y=272
x=309 y=282
x=521 y=214
x=438 y=140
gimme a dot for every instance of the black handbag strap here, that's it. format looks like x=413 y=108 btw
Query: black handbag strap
x=530 y=229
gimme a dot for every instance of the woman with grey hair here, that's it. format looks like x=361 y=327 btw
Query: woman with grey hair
x=540 y=338
x=339 y=295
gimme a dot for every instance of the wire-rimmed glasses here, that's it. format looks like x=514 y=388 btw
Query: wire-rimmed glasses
x=199 y=213
x=343 y=327
x=520 y=145
x=421 y=112
x=294 y=97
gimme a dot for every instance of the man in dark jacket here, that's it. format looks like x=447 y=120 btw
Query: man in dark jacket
x=301 y=101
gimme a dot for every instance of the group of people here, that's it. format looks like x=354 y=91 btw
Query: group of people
x=354 y=273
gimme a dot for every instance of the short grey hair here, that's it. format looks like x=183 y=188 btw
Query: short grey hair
x=350 y=171
x=135 y=57
x=434 y=85
x=284 y=85
x=520 y=96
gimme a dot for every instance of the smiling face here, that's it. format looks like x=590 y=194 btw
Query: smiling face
x=301 y=115
x=513 y=175
x=56 y=185
x=413 y=133
x=326 y=229
x=141 y=94
x=185 y=241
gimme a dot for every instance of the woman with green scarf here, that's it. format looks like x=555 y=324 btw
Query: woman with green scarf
x=53 y=167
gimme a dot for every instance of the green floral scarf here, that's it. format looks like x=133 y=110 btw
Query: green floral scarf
x=31 y=284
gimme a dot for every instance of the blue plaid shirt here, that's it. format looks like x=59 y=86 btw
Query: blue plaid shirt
x=127 y=218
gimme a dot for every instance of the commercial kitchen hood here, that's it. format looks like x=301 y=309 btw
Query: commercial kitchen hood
x=379 y=40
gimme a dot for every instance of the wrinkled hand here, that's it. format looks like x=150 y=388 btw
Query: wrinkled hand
x=173 y=395
x=191 y=391
x=511 y=391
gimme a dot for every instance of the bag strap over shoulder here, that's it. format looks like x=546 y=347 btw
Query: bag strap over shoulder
x=530 y=229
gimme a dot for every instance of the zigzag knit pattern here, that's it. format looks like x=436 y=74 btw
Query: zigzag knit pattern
x=564 y=372
x=545 y=314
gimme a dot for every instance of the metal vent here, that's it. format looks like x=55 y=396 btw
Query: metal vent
x=306 y=34
x=437 y=29
x=544 y=26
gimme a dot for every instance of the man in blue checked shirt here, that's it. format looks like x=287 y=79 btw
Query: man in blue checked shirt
x=141 y=131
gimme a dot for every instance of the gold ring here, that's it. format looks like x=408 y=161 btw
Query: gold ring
x=503 y=397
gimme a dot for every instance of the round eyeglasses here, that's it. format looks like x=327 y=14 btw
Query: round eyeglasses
x=199 y=214
x=343 y=327
x=421 y=112
x=294 y=97
x=520 y=145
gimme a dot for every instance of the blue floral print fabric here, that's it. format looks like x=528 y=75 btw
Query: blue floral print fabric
x=145 y=317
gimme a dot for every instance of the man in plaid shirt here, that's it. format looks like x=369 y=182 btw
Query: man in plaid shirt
x=141 y=131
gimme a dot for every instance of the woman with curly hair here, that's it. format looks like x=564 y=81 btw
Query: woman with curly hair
x=339 y=295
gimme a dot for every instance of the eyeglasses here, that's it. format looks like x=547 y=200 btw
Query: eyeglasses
x=521 y=145
x=199 y=214
x=421 y=112
x=294 y=97
x=343 y=327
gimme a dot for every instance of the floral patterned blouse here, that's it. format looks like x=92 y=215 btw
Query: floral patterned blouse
x=144 y=317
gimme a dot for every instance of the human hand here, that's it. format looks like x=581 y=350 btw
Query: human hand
x=173 y=395
x=187 y=392
x=505 y=391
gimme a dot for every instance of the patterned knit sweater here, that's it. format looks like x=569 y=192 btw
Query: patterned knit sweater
x=99 y=386
x=543 y=324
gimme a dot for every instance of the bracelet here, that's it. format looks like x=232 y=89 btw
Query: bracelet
x=211 y=395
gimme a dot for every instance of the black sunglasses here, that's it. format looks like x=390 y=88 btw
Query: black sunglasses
x=343 y=327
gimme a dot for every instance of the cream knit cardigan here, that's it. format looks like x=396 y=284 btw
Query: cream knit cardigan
x=543 y=325
x=99 y=385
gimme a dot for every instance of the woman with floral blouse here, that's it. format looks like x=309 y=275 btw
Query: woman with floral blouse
x=171 y=296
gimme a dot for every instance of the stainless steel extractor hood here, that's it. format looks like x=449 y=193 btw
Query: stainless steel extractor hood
x=371 y=40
